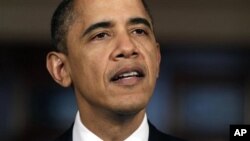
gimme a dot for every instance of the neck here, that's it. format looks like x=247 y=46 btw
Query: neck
x=110 y=126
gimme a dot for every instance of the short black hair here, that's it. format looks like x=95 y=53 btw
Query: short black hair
x=60 y=23
x=62 y=19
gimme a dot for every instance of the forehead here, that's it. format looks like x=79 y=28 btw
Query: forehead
x=91 y=10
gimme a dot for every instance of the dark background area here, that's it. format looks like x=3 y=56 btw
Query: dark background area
x=204 y=83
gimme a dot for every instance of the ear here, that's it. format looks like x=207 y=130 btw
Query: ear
x=58 y=68
x=158 y=55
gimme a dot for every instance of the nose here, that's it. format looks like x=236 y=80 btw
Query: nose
x=125 y=48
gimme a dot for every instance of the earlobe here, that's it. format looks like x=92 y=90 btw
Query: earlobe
x=58 y=69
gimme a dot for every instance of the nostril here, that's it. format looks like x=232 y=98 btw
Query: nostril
x=134 y=54
x=120 y=56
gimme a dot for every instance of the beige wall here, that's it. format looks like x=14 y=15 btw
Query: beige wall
x=175 y=20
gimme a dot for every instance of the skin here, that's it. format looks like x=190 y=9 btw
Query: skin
x=108 y=37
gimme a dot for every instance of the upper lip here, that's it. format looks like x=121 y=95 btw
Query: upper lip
x=138 y=70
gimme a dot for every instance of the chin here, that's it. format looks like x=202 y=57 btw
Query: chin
x=129 y=108
x=129 y=104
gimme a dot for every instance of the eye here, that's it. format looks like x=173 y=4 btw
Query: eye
x=100 y=36
x=140 y=32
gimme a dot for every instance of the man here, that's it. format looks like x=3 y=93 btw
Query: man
x=106 y=50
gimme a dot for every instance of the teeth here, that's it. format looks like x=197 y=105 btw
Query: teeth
x=129 y=74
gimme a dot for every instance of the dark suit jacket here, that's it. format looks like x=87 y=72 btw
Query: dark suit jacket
x=154 y=135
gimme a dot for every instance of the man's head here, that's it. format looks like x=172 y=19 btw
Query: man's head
x=112 y=58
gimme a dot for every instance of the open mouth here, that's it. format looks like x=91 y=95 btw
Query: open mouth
x=128 y=73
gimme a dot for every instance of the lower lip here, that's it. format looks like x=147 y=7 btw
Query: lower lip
x=130 y=81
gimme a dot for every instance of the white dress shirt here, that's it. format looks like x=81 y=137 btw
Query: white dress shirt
x=81 y=133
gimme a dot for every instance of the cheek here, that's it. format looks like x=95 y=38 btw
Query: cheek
x=96 y=66
x=86 y=70
x=89 y=81
x=151 y=57
x=92 y=61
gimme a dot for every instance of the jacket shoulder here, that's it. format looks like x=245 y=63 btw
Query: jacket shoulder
x=156 y=135
x=66 y=136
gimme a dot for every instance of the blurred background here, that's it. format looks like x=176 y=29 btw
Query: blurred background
x=204 y=83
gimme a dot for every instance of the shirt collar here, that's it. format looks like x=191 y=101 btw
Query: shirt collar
x=82 y=133
x=141 y=133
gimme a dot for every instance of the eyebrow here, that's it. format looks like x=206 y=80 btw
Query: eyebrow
x=138 y=20
x=105 y=24
x=108 y=24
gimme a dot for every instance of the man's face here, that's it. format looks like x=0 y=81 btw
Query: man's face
x=113 y=58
